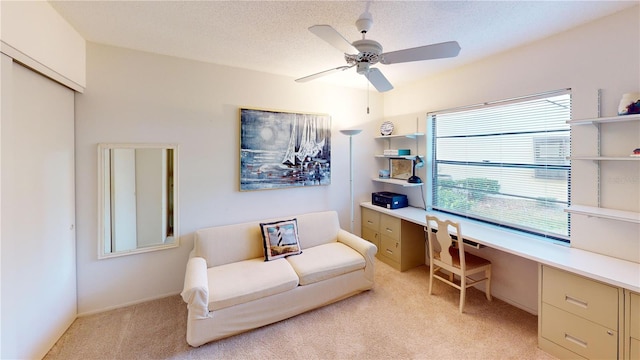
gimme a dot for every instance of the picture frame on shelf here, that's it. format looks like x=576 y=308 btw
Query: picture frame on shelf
x=401 y=168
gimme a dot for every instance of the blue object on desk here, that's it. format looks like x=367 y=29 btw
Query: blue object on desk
x=389 y=200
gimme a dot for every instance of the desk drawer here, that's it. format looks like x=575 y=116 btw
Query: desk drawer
x=390 y=248
x=589 y=299
x=371 y=236
x=634 y=349
x=390 y=226
x=370 y=219
x=634 y=316
x=578 y=335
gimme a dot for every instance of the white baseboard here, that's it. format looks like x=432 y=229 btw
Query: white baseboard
x=511 y=302
x=518 y=305
x=119 y=306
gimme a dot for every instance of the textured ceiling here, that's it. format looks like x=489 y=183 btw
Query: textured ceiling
x=272 y=36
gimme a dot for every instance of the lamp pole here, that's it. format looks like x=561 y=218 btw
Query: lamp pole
x=351 y=133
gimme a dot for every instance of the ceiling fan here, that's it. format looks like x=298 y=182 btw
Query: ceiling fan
x=366 y=52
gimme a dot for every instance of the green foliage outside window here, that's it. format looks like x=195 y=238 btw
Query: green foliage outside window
x=478 y=188
x=462 y=194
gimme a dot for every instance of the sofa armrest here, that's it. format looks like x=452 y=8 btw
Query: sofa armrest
x=364 y=247
x=196 y=288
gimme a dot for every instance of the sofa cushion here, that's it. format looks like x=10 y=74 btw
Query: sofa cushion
x=248 y=280
x=325 y=261
x=318 y=228
x=220 y=245
x=280 y=239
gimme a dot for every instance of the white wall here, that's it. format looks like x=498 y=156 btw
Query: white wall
x=600 y=55
x=33 y=33
x=140 y=97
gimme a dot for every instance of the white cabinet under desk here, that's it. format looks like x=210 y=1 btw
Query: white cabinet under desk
x=400 y=243
x=631 y=326
x=579 y=317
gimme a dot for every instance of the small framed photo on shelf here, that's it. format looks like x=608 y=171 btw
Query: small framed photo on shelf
x=401 y=168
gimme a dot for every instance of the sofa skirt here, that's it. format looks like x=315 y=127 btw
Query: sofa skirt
x=243 y=317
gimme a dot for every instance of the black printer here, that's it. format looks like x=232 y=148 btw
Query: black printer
x=389 y=200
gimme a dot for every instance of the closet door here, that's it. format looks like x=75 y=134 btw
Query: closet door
x=37 y=212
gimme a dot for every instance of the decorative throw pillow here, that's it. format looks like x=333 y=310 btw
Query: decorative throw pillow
x=280 y=239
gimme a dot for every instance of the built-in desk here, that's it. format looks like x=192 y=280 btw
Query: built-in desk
x=585 y=300
x=622 y=273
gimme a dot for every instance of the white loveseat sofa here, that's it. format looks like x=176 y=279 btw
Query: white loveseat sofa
x=230 y=288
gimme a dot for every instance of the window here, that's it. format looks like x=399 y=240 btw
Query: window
x=505 y=163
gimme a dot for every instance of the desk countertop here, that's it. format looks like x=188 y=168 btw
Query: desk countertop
x=610 y=270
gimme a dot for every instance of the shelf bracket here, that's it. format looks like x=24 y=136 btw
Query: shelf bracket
x=598 y=128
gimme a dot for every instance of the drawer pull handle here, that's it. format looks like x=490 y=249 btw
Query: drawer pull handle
x=389 y=251
x=575 y=340
x=389 y=230
x=369 y=222
x=571 y=300
x=609 y=332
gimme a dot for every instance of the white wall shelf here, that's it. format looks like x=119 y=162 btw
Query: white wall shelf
x=606 y=158
x=604 y=120
x=406 y=157
x=597 y=211
x=410 y=136
x=398 y=182
x=627 y=216
x=389 y=138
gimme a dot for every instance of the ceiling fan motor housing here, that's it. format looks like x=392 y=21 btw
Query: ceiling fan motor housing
x=369 y=50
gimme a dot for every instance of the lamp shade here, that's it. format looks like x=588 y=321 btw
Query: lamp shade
x=417 y=163
x=351 y=132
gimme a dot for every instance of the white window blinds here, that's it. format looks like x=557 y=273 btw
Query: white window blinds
x=506 y=163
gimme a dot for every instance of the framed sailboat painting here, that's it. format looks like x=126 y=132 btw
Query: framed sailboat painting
x=284 y=149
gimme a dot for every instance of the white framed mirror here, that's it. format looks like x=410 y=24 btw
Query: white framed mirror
x=137 y=198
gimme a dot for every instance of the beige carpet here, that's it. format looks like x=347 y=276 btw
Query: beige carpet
x=395 y=320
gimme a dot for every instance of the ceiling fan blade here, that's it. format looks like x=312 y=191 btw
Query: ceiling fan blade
x=330 y=35
x=427 y=52
x=323 y=73
x=378 y=80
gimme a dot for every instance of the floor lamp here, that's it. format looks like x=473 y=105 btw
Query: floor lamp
x=351 y=133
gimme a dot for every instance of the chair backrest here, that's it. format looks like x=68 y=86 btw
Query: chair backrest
x=441 y=242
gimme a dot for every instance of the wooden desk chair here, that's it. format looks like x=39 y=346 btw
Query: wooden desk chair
x=454 y=259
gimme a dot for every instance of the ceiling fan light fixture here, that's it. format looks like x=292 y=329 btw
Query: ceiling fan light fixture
x=363 y=67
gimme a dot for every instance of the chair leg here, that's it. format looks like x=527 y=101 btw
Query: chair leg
x=487 y=284
x=430 y=278
x=463 y=291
